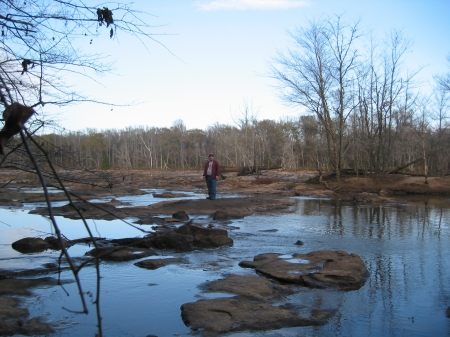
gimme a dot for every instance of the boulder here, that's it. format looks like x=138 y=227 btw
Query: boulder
x=114 y=202
x=31 y=245
x=180 y=215
x=183 y=238
x=169 y=240
x=319 y=269
x=205 y=237
x=156 y=263
x=221 y=216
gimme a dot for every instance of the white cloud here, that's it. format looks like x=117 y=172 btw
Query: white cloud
x=241 y=5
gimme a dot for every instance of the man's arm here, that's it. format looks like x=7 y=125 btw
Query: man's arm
x=218 y=171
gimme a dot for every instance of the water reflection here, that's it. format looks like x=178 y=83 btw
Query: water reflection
x=405 y=248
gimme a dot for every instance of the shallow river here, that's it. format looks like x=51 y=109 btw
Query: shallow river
x=406 y=249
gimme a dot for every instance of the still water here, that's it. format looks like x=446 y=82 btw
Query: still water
x=405 y=248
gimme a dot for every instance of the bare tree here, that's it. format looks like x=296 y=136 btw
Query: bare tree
x=39 y=48
x=41 y=42
x=444 y=80
x=317 y=74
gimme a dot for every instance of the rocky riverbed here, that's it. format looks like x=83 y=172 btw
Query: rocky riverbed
x=173 y=228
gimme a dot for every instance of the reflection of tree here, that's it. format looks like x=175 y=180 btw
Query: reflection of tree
x=404 y=247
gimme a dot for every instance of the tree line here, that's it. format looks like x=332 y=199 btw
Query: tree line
x=412 y=144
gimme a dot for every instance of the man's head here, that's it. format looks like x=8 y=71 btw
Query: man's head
x=211 y=156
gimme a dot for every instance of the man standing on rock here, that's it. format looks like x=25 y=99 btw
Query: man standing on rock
x=211 y=174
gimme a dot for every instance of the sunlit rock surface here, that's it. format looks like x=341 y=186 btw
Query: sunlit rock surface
x=319 y=269
x=253 y=309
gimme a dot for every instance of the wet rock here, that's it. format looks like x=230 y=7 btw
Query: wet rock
x=34 y=327
x=121 y=253
x=360 y=198
x=319 y=269
x=156 y=263
x=168 y=240
x=299 y=243
x=89 y=210
x=55 y=244
x=185 y=238
x=171 y=220
x=31 y=245
x=14 y=321
x=45 y=268
x=114 y=202
x=87 y=240
x=205 y=237
x=169 y=195
x=180 y=215
x=35 y=245
x=385 y=192
x=150 y=220
x=223 y=315
x=221 y=216
x=250 y=286
x=22 y=287
x=236 y=207
x=9 y=202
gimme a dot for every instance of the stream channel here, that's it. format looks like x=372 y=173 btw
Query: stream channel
x=406 y=248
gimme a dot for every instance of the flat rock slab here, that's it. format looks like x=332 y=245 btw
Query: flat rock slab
x=12 y=286
x=88 y=210
x=121 y=254
x=319 y=269
x=218 y=316
x=235 y=207
x=157 y=263
x=9 y=202
x=251 y=287
x=169 y=195
x=13 y=319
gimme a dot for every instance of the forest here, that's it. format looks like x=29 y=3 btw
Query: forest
x=405 y=137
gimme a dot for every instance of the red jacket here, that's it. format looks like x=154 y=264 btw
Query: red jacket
x=215 y=169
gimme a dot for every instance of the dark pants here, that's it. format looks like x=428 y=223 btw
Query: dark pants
x=211 y=184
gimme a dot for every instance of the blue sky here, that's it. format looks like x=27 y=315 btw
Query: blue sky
x=215 y=54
